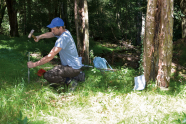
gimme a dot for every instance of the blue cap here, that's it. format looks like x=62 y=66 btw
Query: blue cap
x=56 y=22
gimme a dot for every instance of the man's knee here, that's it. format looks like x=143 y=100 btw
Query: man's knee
x=45 y=75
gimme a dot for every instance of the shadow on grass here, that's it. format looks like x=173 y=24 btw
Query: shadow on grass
x=24 y=44
x=14 y=67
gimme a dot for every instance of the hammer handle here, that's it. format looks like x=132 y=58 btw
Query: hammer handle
x=34 y=37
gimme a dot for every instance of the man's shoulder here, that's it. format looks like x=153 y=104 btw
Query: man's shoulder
x=67 y=32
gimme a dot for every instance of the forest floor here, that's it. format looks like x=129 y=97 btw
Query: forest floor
x=125 y=54
x=129 y=56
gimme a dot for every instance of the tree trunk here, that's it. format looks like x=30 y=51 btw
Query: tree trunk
x=86 y=33
x=29 y=22
x=24 y=18
x=158 y=42
x=12 y=12
x=82 y=33
x=78 y=31
x=183 y=8
x=143 y=27
x=2 y=10
x=64 y=14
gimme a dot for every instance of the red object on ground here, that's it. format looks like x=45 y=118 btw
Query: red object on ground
x=41 y=72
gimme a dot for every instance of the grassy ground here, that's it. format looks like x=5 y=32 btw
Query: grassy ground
x=102 y=99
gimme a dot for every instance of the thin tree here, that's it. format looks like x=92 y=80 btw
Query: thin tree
x=64 y=13
x=82 y=29
x=158 y=41
x=183 y=8
x=28 y=19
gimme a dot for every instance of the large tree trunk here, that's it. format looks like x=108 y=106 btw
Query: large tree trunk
x=12 y=12
x=158 y=41
x=2 y=10
x=183 y=8
x=81 y=22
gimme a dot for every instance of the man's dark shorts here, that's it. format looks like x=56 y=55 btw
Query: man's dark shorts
x=59 y=74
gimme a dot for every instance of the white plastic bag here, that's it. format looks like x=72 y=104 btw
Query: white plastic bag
x=139 y=82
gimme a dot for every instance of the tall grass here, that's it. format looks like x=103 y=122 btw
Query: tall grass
x=104 y=98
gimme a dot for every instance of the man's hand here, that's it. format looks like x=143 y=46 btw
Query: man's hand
x=30 y=64
x=37 y=39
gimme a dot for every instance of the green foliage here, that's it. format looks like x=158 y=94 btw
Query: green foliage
x=113 y=20
x=177 y=30
x=109 y=20
x=5 y=24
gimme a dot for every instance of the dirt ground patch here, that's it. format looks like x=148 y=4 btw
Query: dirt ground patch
x=127 y=55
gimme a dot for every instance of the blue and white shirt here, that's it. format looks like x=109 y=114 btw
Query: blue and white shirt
x=68 y=54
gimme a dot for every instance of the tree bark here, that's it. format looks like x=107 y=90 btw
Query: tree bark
x=64 y=13
x=86 y=34
x=77 y=26
x=2 y=10
x=12 y=12
x=183 y=8
x=82 y=33
x=143 y=27
x=24 y=17
x=29 y=22
x=158 y=42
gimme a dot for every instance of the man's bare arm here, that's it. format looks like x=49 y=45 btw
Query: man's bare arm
x=45 y=59
x=45 y=35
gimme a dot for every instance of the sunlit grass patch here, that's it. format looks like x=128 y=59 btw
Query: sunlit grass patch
x=113 y=108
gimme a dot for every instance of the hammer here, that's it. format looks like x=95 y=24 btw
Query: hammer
x=31 y=34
